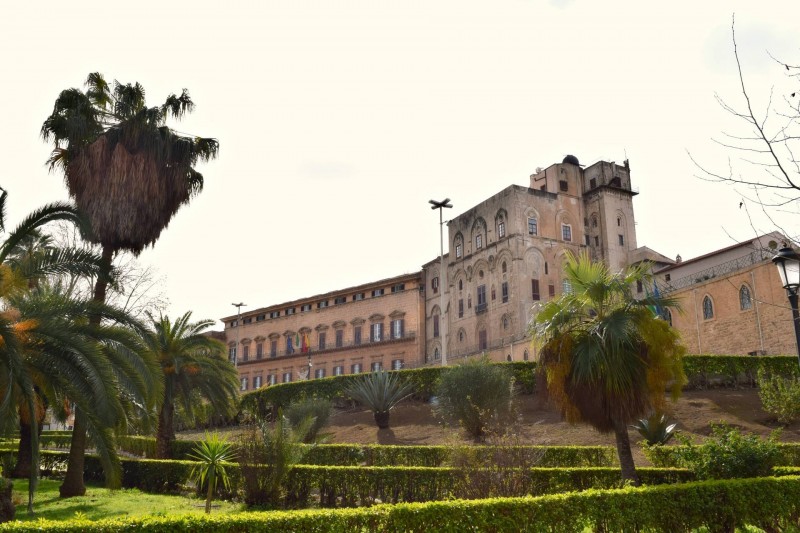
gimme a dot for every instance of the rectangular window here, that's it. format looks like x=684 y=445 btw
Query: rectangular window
x=566 y=232
x=639 y=287
x=287 y=377
x=274 y=314
x=621 y=240
x=234 y=323
x=358 y=296
x=257 y=382
x=247 y=320
x=377 y=332
x=397 y=328
x=461 y=308
x=533 y=228
x=272 y=379
x=245 y=353
x=322 y=341
x=232 y=354
x=482 y=340
x=459 y=250
x=289 y=347
x=551 y=289
x=481 y=307
x=563 y=185
x=545 y=268
x=400 y=287
x=260 y=318
x=338 y=370
x=397 y=364
x=319 y=373
x=273 y=349
x=592 y=183
x=478 y=241
x=376 y=366
x=377 y=292
x=355 y=368
x=339 y=338
x=259 y=350
x=596 y=241
x=339 y=300
x=357 y=335
x=504 y=291
x=667 y=277
x=435 y=326
x=305 y=308
x=243 y=384
x=588 y=240
x=535 y=289
x=323 y=304
x=435 y=285
x=289 y=311
x=501 y=230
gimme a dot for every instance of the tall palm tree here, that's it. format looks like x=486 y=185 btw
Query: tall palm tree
x=129 y=173
x=195 y=368
x=607 y=357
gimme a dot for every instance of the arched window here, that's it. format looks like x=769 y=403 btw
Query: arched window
x=745 y=301
x=708 y=308
x=503 y=267
x=436 y=355
x=508 y=358
x=525 y=355
x=668 y=316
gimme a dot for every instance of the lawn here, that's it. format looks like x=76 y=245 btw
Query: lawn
x=99 y=503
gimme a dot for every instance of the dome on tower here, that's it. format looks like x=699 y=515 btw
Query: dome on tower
x=572 y=160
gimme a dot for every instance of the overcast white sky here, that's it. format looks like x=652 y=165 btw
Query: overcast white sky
x=339 y=120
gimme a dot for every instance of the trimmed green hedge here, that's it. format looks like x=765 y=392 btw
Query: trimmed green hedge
x=772 y=504
x=667 y=456
x=702 y=371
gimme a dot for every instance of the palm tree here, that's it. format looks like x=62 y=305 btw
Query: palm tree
x=607 y=357
x=129 y=173
x=47 y=352
x=195 y=368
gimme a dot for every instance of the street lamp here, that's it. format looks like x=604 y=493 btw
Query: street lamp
x=788 y=263
x=442 y=283
x=309 y=365
x=238 y=325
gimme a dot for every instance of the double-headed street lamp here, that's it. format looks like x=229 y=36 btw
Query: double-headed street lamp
x=442 y=283
x=788 y=263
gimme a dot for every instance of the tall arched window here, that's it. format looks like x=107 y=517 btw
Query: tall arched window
x=708 y=308
x=668 y=316
x=745 y=301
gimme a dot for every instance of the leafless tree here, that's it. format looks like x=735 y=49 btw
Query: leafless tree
x=765 y=168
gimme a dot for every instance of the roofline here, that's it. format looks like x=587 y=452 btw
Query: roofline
x=721 y=250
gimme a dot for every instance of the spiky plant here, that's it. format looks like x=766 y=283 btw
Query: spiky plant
x=380 y=391
x=655 y=429
x=212 y=454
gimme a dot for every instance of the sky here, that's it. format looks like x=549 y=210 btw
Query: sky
x=339 y=120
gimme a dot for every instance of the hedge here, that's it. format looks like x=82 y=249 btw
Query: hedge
x=772 y=504
x=667 y=456
x=701 y=370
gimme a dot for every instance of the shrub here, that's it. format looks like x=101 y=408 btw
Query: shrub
x=477 y=395
x=780 y=396
x=730 y=454
x=318 y=410
x=655 y=429
x=267 y=456
x=380 y=391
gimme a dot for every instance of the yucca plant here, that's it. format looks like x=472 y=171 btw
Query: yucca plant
x=212 y=453
x=655 y=429
x=380 y=391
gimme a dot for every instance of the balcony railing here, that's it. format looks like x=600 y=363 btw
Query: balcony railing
x=722 y=269
x=331 y=346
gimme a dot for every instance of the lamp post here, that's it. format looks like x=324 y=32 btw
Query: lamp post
x=788 y=263
x=238 y=325
x=309 y=365
x=442 y=284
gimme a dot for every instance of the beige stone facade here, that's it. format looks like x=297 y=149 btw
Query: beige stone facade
x=732 y=300
x=353 y=330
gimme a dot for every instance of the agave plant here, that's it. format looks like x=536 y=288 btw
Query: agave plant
x=655 y=429
x=380 y=391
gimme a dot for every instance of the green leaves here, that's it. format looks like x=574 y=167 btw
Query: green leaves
x=212 y=454
x=380 y=391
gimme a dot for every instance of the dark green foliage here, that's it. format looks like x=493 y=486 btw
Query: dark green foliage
x=655 y=429
x=379 y=391
x=730 y=454
x=316 y=410
x=734 y=370
x=772 y=504
x=476 y=395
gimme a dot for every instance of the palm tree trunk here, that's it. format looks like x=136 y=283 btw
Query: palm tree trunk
x=166 y=431
x=624 y=453
x=73 y=481
x=24 y=453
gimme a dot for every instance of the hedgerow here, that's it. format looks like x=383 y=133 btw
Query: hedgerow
x=772 y=504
